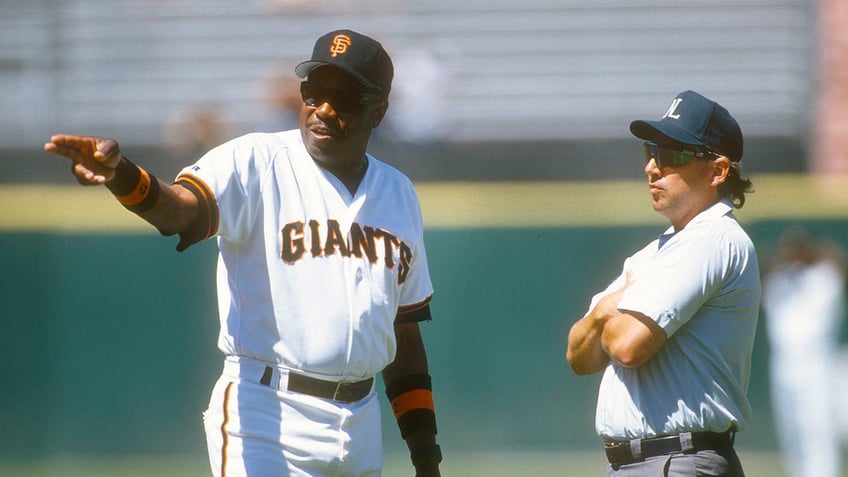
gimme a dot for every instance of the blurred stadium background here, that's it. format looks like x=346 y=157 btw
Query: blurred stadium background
x=511 y=117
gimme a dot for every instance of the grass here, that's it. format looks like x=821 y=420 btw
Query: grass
x=469 y=464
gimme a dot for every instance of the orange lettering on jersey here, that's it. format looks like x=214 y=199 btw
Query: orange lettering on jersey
x=293 y=246
x=389 y=242
x=363 y=242
x=315 y=231
x=339 y=45
x=405 y=260
x=335 y=240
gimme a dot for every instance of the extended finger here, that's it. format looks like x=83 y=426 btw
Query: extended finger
x=70 y=146
x=72 y=142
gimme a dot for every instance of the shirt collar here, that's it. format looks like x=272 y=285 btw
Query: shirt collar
x=719 y=209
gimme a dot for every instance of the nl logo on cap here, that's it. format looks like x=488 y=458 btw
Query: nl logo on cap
x=339 y=45
x=670 y=113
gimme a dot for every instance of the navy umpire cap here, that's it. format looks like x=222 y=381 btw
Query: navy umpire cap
x=694 y=120
x=360 y=56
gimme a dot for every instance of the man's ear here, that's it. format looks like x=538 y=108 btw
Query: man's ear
x=721 y=169
x=380 y=112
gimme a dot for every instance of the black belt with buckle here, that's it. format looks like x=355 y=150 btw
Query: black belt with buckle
x=637 y=450
x=342 y=391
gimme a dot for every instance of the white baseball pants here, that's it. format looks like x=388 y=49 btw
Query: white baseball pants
x=254 y=430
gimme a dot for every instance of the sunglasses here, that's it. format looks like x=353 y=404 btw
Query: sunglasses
x=349 y=102
x=665 y=156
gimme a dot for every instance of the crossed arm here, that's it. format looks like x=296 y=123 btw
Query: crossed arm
x=627 y=338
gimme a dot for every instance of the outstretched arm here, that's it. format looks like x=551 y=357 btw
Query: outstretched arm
x=171 y=208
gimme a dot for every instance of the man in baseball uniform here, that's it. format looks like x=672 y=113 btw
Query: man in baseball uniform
x=674 y=333
x=804 y=304
x=322 y=275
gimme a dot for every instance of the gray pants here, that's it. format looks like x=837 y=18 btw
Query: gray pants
x=723 y=463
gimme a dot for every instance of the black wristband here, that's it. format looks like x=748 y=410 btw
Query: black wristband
x=415 y=414
x=423 y=456
x=125 y=179
x=135 y=188
x=149 y=200
x=417 y=420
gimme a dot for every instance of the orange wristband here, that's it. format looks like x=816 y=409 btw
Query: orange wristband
x=134 y=188
x=413 y=399
x=139 y=192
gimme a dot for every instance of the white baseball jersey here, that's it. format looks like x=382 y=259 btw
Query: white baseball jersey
x=310 y=277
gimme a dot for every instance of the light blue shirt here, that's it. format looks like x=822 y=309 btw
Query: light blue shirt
x=702 y=286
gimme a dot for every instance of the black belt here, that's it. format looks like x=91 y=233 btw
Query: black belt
x=637 y=450
x=341 y=391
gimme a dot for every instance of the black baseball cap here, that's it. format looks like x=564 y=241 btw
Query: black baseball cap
x=694 y=120
x=360 y=56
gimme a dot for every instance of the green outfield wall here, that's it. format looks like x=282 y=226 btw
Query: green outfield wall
x=108 y=341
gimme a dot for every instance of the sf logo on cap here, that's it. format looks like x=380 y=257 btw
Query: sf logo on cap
x=339 y=45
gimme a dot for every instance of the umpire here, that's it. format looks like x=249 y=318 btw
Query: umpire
x=673 y=334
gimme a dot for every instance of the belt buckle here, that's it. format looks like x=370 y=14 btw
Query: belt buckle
x=350 y=391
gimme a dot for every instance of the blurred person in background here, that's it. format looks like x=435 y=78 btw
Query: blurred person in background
x=674 y=333
x=803 y=301
x=420 y=107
